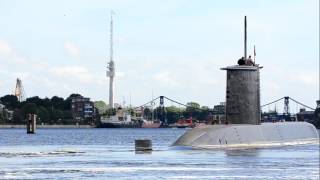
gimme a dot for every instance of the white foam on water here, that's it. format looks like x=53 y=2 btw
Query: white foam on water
x=127 y=169
x=239 y=177
x=219 y=176
x=39 y=153
x=16 y=175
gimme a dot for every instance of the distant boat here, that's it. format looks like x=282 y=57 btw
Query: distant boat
x=122 y=119
x=183 y=123
x=119 y=122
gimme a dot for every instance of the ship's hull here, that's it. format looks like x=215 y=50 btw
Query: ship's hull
x=249 y=136
x=181 y=125
x=120 y=125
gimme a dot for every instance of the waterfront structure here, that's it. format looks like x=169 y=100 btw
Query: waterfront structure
x=82 y=108
x=31 y=123
x=1 y=108
x=271 y=116
x=218 y=115
x=304 y=115
x=5 y=113
x=111 y=67
x=243 y=128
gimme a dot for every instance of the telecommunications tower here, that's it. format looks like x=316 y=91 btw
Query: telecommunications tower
x=111 y=66
x=19 y=91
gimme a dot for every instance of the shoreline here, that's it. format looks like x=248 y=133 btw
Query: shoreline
x=20 y=126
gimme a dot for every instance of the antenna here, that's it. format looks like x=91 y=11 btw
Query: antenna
x=245 y=37
x=111 y=66
x=111 y=36
x=254 y=54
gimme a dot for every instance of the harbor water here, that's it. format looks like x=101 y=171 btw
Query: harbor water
x=110 y=154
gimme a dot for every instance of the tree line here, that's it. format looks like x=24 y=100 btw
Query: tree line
x=55 y=110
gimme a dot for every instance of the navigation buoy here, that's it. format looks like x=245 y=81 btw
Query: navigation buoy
x=143 y=145
x=31 y=123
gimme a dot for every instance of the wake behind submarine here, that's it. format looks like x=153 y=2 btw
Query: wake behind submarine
x=244 y=128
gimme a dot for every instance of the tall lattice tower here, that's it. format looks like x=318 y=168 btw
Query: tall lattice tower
x=19 y=91
x=111 y=66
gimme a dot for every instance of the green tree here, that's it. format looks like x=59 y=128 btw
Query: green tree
x=18 y=117
x=35 y=99
x=10 y=101
x=172 y=114
x=67 y=114
x=29 y=108
x=193 y=105
x=2 y=118
x=57 y=102
x=46 y=102
x=56 y=116
x=192 y=110
x=101 y=106
x=43 y=115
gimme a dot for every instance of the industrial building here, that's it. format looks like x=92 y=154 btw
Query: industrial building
x=218 y=115
x=304 y=115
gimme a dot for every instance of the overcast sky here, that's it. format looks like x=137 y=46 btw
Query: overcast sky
x=162 y=47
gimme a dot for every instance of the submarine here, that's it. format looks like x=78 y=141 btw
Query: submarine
x=243 y=127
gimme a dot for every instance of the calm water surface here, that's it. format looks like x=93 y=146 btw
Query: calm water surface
x=109 y=154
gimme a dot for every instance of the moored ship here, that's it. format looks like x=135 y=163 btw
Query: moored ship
x=183 y=123
x=115 y=122
x=122 y=119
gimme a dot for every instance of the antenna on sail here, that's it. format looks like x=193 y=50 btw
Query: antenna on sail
x=254 y=54
x=245 y=37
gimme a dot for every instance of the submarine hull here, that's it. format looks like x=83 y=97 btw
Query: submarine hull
x=249 y=136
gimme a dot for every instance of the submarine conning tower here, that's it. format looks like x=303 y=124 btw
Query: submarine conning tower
x=243 y=89
x=243 y=94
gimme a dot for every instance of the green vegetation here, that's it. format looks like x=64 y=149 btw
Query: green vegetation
x=173 y=113
x=57 y=110
x=50 y=111
x=101 y=106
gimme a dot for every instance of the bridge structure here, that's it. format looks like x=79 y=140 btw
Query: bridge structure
x=163 y=102
x=287 y=111
x=160 y=103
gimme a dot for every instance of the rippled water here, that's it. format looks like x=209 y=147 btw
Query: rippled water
x=109 y=154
